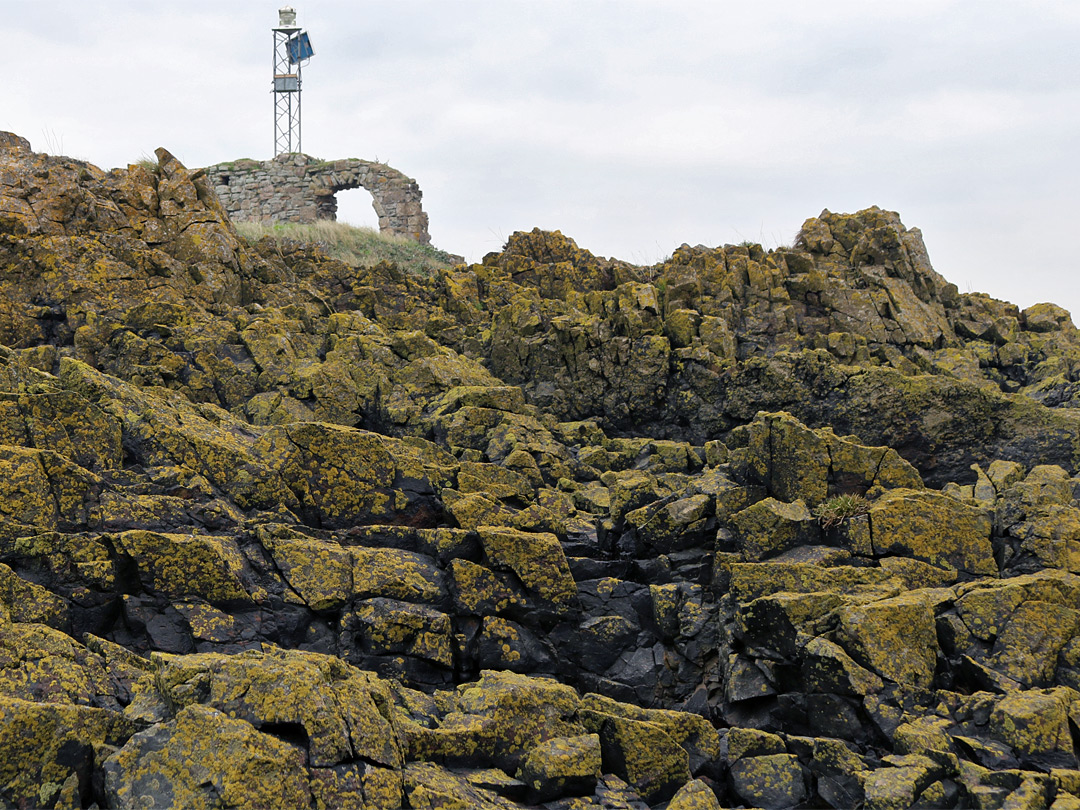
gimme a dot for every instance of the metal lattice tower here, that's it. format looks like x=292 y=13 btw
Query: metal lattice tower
x=292 y=48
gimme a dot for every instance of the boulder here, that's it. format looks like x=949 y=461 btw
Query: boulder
x=562 y=765
x=335 y=709
x=204 y=758
x=387 y=627
x=1035 y=724
x=895 y=638
x=933 y=528
x=694 y=795
x=537 y=560
x=770 y=527
x=770 y=781
x=642 y=753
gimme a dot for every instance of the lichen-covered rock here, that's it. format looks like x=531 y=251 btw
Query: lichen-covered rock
x=538 y=561
x=934 y=528
x=1035 y=725
x=245 y=479
x=383 y=626
x=504 y=644
x=672 y=525
x=23 y=601
x=498 y=719
x=478 y=590
x=343 y=713
x=692 y=732
x=46 y=665
x=340 y=475
x=396 y=574
x=770 y=527
x=750 y=581
x=895 y=637
x=770 y=780
x=642 y=753
x=431 y=787
x=791 y=460
x=897 y=787
x=320 y=572
x=204 y=758
x=185 y=565
x=49 y=750
x=775 y=622
x=562 y=765
x=64 y=422
x=694 y=795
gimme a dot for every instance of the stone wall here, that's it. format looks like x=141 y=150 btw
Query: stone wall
x=299 y=188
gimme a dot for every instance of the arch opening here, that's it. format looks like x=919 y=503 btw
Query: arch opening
x=297 y=188
x=356 y=207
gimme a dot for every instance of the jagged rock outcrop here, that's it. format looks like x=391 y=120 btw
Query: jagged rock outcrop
x=796 y=528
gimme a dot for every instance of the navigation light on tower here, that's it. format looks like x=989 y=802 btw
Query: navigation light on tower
x=292 y=47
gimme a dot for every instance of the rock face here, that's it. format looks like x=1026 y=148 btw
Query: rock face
x=781 y=529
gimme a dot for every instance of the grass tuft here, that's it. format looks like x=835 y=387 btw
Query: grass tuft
x=835 y=511
x=358 y=247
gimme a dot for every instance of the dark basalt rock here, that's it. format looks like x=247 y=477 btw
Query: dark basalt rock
x=548 y=530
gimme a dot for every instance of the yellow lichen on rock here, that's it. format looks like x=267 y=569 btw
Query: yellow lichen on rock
x=397 y=574
x=47 y=748
x=186 y=565
x=538 y=561
x=499 y=717
x=46 y=665
x=385 y=626
x=204 y=758
x=934 y=528
x=344 y=713
x=478 y=590
x=321 y=572
x=895 y=637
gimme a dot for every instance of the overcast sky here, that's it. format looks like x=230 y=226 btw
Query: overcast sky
x=630 y=126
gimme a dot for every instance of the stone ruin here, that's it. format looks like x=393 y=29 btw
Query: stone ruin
x=300 y=188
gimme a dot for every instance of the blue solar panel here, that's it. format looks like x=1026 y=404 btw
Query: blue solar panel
x=299 y=47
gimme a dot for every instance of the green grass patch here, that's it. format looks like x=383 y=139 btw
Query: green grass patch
x=358 y=247
x=148 y=163
x=836 y=510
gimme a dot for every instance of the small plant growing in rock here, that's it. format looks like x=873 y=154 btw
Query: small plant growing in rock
x=835 y=511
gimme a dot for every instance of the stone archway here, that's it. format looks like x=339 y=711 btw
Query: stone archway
x=395 y=197
x=299 y=188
